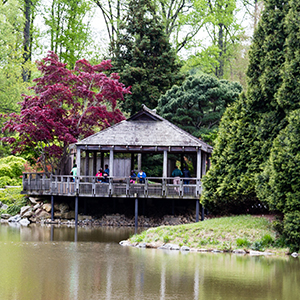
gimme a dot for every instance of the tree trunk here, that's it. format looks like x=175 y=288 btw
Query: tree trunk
x=26 y=41
x=220 y=68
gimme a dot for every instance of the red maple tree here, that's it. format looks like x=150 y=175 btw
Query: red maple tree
x=67 y=105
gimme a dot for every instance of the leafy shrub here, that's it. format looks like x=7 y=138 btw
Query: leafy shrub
x=6 y=170
x=166 y=239
x=5 y=180
x=267 y=240
x=242 y=242
x=291 y=232
x=13 y=198
x=258 y=246
x=16 y=164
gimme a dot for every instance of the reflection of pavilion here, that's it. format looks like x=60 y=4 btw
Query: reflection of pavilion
x=144 y=133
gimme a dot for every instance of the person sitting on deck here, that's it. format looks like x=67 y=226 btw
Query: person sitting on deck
x=141 y=176
x=74 y=171
x=176 y=174
x=106 y=174
x=99 y=175
x=132 y=177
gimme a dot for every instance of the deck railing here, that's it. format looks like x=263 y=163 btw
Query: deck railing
x=89 y=186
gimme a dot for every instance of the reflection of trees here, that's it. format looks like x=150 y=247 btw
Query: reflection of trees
x=93 y=270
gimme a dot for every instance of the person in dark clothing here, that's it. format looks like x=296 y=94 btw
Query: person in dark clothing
x=176 y=174
x=186 y=174
x=106 y=174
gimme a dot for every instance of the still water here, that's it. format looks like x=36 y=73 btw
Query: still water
x=51 y=263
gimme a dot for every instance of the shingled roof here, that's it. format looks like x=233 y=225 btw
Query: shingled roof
x=145 y=131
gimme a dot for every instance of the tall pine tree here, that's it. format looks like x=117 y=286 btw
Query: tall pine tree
x=280 y=181
x=239 y=156
x=143 y=57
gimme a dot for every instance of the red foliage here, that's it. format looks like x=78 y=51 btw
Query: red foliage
x=67 y=106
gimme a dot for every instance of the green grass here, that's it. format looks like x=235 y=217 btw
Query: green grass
x=227 y=233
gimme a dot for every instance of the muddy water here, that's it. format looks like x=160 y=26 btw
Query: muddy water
x=51 y=263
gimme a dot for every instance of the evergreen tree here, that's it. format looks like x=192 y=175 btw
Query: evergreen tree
x=143 y=57
x=279 y=183
x=198 y=104
x=258 y=119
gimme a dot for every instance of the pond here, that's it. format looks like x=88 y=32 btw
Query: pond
x=50 y=263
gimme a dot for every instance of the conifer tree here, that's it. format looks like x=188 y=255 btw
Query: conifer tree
x=143 y=57
x=279 y=183
x=239 y=156
x=198 y=104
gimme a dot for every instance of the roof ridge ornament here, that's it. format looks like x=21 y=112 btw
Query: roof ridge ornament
x=148 y=109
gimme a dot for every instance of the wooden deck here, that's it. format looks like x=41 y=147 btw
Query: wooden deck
x=87 y=186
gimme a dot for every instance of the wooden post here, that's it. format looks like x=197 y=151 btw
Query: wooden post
x=136 y=215
x=139 y=161
x=203 y=164
x=76 y=210
x=94 y=163
x=165 y=164
x=202 y=213
x=102 y=161
x=111 y=162
x=198 y=163
x=197 y=210
x=78 y=160
x=52 y=208
x=87 y=157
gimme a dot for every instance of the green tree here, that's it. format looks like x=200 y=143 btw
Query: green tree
x=143 y=57
x=11 y=50
x=238 y=157
x=198 y=104
x=279 y=184
x=68 y=28
x=225 y=32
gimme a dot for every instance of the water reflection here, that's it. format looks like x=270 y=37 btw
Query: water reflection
x=45 y=263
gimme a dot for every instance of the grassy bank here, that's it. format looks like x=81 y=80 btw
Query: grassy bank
x=227 y=234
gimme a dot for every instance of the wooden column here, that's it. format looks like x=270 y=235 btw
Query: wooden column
x=203 y=164
x=87 y=158
x=139 y=161
x=52 y=208
x=111 y=162
x=94 y=163
x=198 y=163
x=165 y=164
x=78 y=160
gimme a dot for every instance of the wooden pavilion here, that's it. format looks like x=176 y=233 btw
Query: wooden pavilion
x=144 y=133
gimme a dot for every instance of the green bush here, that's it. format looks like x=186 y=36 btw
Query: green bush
x=13 y=198
x=5 y=180
x=6 y=170
x=242 y=242
x=291 y=230
x=16 y=164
